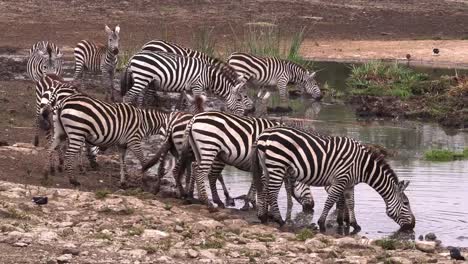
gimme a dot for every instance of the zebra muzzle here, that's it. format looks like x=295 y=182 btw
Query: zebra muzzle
x=115 y=51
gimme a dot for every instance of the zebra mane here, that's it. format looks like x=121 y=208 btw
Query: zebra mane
x=55 y=77
x=226 y=69
x=377 y=153
x=49 y=50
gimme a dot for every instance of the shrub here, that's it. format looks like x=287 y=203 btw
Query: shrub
x=304 y=234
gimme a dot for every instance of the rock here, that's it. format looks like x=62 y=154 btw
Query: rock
x=426 y=246
x=20 y=244
x=258 y=247
x=313 y=243
x=192 y=253
x=235 y=223
x=207 y=254
x=164 y=259
x=178 y=229
x=274 y=260
x=234 y=254
x=154 y=234
x=47 y=236
x=430 y=237
x=421 y=238
x=136 y=253
x=206 y=225
x=73 y=251
x=65 y=258
x=347 y=241
x=399 y=260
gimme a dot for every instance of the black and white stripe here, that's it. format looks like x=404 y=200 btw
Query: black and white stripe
x=337 y=162
x=83 y=119
x=175 y=73
x=97 y=58
x=218 y=139
x=44 y=58
x=270 y=71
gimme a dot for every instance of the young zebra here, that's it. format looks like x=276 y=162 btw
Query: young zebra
x=97 y=58
x=83 y=119
x=218 y=139
x=44 y=58
x=164 y=46
x=270 y=71
x=337 y=162
x=174 y=73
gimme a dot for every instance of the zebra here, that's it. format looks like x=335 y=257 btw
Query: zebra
x=55 y=92
x=83 y=119
x=44 y=58
x=318 y=160
x=218 y=139
x=164 y=46
x=271 y=71
x=176 y=73
x=97 y=58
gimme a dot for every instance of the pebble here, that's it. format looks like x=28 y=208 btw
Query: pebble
x=20 y=244
x=426 y=246
x=192 y=253
x=65 y=258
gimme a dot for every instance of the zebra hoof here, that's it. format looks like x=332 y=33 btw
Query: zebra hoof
x=308 y=208
x=220 y=204
x=36 y=141
x=356 y=228
x=74 y=182
x=59 y=169
x=94 y=165
x=246 y=207
x=321 y=224
x=230 y=202
x=263 y=218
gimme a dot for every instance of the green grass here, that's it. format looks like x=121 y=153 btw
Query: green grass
x=387 y=243
x=266 y=40
x=213 y=243
x=204 y=40
x=102 y=193
x=125 y=56
x=445 y=155
x=304 y=234
x=135 y=231
x=385 y=79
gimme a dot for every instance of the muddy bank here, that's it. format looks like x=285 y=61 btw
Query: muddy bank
x=97 y=227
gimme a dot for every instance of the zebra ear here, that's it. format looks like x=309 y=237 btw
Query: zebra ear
x=189 y=97
x=117 y=29
x=59 y=55
x=312 y=75
x=43 y=54
x=403 y=184
x=108 y=30
x=266 y=96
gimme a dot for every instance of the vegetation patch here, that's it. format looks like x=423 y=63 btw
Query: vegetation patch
x=392 y=244
x=102 y=193
x=382 y=79
x=445 y=155
x=213 y=243
x=135 y=231
x=305 y=234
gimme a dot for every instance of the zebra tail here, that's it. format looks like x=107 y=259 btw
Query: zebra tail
x=185 y=152
x=126 y=81
x=162 y=150
x=44 y=119
x=256 y=170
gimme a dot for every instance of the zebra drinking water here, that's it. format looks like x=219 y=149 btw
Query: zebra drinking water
x=270 y=71
x=97 y=58
x=175 y=73
x=317 y=160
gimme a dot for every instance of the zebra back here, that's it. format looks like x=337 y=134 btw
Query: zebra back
x=166 y=46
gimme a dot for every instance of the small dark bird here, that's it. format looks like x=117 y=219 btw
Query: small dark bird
x=408 y=56
x=455 y=254
x=40 y=200
x=435 y=51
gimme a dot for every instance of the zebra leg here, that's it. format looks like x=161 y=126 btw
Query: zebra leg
x=349 y=198
x=201 y=173
x=123 y=165
x=334 y=193
x=229 y=200
x=111 y=86
x=135 y=147
x=274 y=185
x=283 y=92
x=75 y=143
x=214 y=175
x=91 y=153
x=287 y=186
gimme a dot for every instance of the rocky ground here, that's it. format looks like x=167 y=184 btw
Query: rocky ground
x=101 y=227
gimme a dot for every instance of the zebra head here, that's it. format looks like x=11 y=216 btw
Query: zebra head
x=51 y=61
x=238 y=102
x=113 y=39
x=310 y=86
x=399 y=209
x=301 y=192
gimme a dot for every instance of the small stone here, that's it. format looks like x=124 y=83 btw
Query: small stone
x=154 y=234
x=206 y=225
x=312 y=244
x=421 y=238
x=346 y=241
x=426 y=246
x=178 y=229
x=20 y=244
x=274 y=260
x=234 y=254
x=430 y=237
x=73 y=251
x=399 y=260
x=235 y=223
x=65 y=258
x=137 y=253
x=164 y=259
x=207 y=254
x=259 y=247
x=192 y=253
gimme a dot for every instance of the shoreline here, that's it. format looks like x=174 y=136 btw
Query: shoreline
x=78 y=226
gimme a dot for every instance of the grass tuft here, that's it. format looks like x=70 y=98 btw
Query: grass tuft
x=204 y=41
x=305 y=234
x=102 y=193
x=387 y=243
x=445 y=155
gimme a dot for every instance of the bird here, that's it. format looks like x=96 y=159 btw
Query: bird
x=435 y=51
x=40 y=200
x=408 y=56
x=455 y=254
